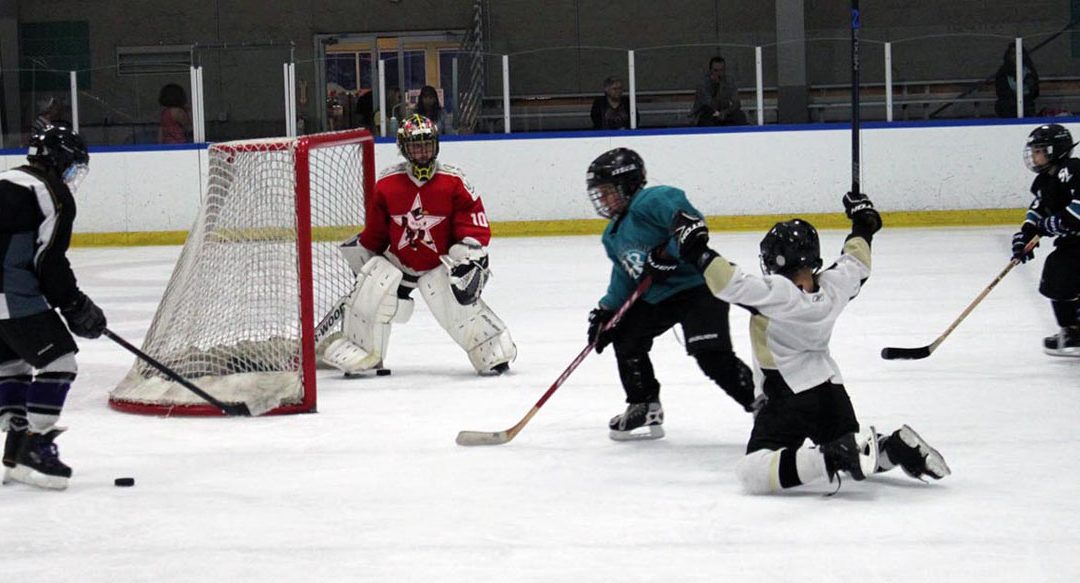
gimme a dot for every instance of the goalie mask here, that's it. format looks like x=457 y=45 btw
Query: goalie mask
x=418 y=141
x=59 y=148
x=613 y=179
x=789 y=246
x=1046 y=146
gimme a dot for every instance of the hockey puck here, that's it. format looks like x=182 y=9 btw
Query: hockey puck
x=124 y=482
x=383 y=372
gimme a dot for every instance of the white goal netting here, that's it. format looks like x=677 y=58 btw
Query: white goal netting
x=236 y=315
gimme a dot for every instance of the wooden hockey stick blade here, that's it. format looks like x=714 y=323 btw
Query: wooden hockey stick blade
x=469 y=438
x=230 y=409
x=891 y=353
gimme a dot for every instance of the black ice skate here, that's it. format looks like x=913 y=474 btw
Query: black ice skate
x=497 y=370
x=908 y=450
x=12 y=445
x=639 y=421
x=38 y=463
x=854 y=453
x=1064 y=343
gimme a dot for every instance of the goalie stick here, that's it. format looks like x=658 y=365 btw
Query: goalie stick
x=468 y=438
x=892 y=353
x=232 y=410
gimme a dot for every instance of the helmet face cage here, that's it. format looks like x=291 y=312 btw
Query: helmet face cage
x=1051 y=142
x=57 y=146
x=419 y=131
x=613 y=179
x=790 y=246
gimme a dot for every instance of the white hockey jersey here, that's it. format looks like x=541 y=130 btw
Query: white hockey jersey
x=790 y=329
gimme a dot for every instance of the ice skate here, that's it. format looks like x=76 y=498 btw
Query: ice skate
x=497 y=370
x=640 y=421
x=854 y=453
x=1064 y=343
x=38 y=462
x=911 y=452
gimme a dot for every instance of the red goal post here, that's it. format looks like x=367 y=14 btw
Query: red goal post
x=259 y=269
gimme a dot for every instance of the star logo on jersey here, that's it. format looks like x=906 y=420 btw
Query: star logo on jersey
x=416 y=226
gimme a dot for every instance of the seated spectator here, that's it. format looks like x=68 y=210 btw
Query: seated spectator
x=175 y=120
x=716 y=102
x=1005 y=84
x=611 y=111
x=427 y=105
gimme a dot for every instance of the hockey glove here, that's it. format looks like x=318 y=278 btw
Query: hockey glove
x=84 y=318
x=1054 y=226
x=865 y=220
x=659 y=265
x=692 y=239
x=598 y=318
x=1019 y=244
x=469 y=271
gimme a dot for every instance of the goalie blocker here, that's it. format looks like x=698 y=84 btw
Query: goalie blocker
x=381 y=297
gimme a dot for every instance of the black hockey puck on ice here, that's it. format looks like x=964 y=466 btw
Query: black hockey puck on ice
x=124 y=482
x=383 y=372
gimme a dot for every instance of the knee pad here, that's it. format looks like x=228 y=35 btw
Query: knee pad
x=1060 y=278
x=759 y=471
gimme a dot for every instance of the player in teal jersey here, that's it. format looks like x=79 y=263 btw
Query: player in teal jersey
x=639 y=244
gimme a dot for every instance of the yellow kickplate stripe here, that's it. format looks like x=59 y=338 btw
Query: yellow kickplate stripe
x=964 y=218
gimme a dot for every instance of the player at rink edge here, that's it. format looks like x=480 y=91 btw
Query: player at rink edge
x=1055 y=212
x=796 y=305
x=37 y=352
x=426 y=230
x=640 y=219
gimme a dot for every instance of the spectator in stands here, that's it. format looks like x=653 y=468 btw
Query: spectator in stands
x=175 y=125
x=1005 y=84
x=427 y=105
x=48 y=111
x=395 y=112
x=611 y=111
x=716 y=102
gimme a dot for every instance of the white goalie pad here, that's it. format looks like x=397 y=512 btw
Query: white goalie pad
x=473 y=327
x=372 y=307
x=355 y=254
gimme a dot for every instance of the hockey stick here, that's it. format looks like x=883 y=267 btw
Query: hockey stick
x=501 y=437
x=232 y=410
x=891 y=353
x=856 y=23
x=331 y=319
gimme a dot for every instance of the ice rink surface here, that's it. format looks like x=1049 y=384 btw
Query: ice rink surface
x=373 y=488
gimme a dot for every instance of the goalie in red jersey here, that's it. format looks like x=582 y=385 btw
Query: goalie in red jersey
x=426 y=229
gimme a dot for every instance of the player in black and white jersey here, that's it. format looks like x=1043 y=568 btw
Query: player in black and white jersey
x=1055 y=212
x=795 y=306
x=37 y=353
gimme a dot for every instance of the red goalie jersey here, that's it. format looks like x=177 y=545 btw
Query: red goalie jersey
x=417 y=221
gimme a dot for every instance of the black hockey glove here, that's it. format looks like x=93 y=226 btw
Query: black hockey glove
x=467 y=280
x=865 y=220
x=659 y=265
x=84 y=318
x=598 y=318
x=692 y=239
x=1020 y=241
x=1054 y=226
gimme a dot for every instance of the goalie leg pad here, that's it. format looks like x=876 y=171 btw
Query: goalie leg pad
x=373 y=305
x=345 y=355
x=474 y=327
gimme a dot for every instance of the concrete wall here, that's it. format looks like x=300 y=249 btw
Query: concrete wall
x=734 y=173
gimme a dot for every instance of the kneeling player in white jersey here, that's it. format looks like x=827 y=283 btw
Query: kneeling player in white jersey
x=795 y=307
x=426 y=229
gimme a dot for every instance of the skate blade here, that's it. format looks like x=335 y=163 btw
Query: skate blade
x=640 y=434
x=25 y=475
x=935 y=462
x=868 y=452
x=1067 y=352
x=7 y=476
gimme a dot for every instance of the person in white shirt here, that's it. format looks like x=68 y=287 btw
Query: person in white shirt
x=795 y=306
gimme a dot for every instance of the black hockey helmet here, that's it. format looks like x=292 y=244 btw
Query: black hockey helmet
x=622 y=168
x=1053 y=139
x=789 y=246
x=59 y=147
x=417 y=129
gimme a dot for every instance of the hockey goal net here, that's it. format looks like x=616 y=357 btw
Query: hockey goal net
x=259 y=270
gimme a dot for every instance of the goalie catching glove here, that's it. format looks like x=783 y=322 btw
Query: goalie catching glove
x=469 y=273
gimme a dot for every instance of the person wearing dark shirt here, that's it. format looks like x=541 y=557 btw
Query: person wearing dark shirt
x=716 y=102
x=611 y=111
x=1005 y=85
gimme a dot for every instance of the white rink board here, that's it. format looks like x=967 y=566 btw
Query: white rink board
x=751 y=172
